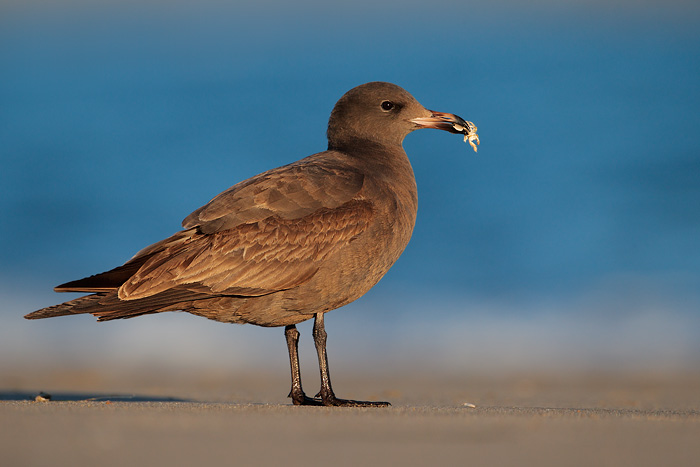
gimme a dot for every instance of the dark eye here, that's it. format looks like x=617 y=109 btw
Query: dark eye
x=387 y=105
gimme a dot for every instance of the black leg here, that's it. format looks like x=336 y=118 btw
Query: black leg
x=297 y=393
x=326 y=394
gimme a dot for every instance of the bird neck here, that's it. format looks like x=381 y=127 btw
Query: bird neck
x=364 y=148
x=382 y=162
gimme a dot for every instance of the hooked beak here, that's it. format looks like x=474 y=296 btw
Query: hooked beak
x=451 y=123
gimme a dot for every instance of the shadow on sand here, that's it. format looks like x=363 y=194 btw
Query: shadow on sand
x=84 y=397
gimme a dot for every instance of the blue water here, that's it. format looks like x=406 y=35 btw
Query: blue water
x=116 y=122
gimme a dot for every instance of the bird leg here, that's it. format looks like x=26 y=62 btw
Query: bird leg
x=326 y=393
x=297 y=393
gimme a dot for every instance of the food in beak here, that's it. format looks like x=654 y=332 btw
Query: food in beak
x=469 y=131
x=451 y=123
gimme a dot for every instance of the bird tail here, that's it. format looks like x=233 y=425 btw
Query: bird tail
x=107 y=306
x=74 y=307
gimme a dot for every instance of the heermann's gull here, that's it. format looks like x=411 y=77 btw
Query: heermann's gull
x=288 y=244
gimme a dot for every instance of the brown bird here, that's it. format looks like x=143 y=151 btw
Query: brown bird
x=291 y=243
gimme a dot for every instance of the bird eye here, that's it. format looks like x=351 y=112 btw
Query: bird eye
x=387 y=105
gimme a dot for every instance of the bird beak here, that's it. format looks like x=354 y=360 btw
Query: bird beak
x=451 y=123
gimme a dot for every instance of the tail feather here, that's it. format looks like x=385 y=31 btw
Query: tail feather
x=72 y=307
x=107 y=306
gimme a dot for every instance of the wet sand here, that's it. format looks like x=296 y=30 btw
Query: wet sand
x=107 y=419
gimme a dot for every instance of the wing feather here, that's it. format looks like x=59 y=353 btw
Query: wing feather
x=268 y=233
x=289 y=192
x=259 y=258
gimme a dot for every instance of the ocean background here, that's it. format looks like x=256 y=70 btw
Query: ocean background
x=570 y=241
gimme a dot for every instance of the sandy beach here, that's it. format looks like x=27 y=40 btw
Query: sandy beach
x=97 y=418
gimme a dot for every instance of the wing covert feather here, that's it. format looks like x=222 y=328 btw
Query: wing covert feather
x=289 y=192
x=255 y=258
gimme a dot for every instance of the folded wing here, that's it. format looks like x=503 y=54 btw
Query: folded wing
x=266 y=234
